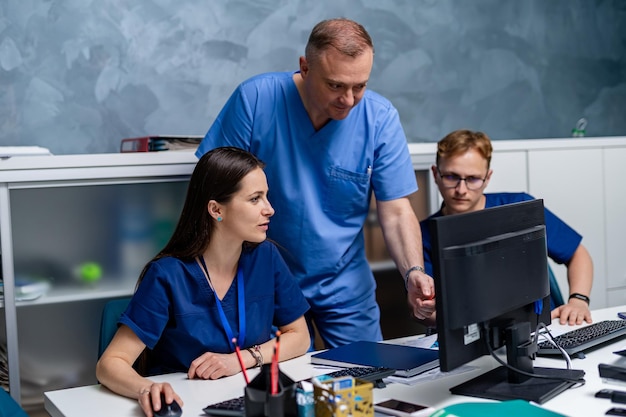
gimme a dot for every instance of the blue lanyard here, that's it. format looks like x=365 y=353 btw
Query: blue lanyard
x=241 y=303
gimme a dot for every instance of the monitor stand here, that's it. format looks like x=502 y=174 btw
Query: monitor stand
x=495 y=385
x=504 y=384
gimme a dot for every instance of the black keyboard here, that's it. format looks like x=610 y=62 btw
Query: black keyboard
x=585 y=337
x=374 y=374
x=234 y=407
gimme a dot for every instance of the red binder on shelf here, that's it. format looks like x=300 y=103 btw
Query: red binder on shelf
x=159 y=143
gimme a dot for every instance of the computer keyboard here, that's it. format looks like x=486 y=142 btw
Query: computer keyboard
x=234 y=407
x=374 y=374
x=584 y=338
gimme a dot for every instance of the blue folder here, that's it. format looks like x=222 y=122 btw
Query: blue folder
x=406 y=360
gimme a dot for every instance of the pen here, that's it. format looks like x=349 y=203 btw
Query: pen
x=273 y=374
x=243 y=367
x=369 y=170
x=274 y=368
x=278 y=333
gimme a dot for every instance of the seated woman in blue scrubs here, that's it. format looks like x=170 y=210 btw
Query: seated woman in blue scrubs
x=217 y=279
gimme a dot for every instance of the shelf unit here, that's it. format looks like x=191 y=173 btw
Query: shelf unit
x=117 y=209
x=57 y=212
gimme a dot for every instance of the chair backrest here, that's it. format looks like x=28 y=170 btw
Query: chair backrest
x=556 y=297
x=108 y=324
x=9 y=407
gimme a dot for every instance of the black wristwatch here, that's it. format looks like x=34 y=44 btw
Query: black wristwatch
x=580 y=297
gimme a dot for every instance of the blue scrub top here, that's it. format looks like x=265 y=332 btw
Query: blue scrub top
x=175 y=314
x=320 y=182
x=562 y=240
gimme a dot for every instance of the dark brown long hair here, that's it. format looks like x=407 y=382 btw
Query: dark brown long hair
x=217 y=176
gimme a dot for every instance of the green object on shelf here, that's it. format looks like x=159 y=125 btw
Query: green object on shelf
x=90 y=271
x=579 y=130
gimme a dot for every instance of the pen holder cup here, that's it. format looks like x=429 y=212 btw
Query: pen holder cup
x=343 y=397
x=260 y=402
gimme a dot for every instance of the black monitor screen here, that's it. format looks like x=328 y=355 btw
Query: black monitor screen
x=492 y=289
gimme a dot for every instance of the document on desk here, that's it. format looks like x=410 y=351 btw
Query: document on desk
x=406 y=360
x=427 y=342
x=431 y=375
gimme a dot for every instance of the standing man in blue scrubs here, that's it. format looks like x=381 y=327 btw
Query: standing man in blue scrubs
x=328 y=143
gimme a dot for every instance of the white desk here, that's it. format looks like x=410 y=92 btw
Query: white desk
x=97 y=401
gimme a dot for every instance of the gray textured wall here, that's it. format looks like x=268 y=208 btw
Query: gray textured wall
x=76 y=76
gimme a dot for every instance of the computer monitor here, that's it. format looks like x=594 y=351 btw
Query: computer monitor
x=492 y=289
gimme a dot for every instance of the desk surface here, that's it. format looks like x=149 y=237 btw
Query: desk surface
x=97 y=401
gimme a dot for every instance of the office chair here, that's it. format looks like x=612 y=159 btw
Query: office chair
x=108 y=323
x=9 y=407
x=556 y=297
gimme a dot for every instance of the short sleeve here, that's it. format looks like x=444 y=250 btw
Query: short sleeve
x=148 y=311
x=393 y=175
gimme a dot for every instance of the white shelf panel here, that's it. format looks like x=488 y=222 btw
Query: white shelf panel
x=70 y=293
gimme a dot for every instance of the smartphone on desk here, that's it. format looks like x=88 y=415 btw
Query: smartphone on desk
x=403 y=408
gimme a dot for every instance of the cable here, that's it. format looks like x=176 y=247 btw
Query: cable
x=579 y=381
x=547 y=335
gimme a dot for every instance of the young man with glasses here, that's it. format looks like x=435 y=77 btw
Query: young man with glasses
x=462 y=172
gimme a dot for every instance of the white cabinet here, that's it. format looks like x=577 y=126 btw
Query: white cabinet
x=509 y=171
x=615 y=225
x=58 y=213
x=570 y=181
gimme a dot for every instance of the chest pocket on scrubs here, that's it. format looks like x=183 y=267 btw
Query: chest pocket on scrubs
x=347 y=192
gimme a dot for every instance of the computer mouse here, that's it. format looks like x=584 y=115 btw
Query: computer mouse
x=168 y=410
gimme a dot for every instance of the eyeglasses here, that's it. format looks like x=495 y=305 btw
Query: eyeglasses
x=453 y=181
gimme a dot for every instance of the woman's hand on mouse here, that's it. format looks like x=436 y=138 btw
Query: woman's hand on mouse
x=150 y=397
